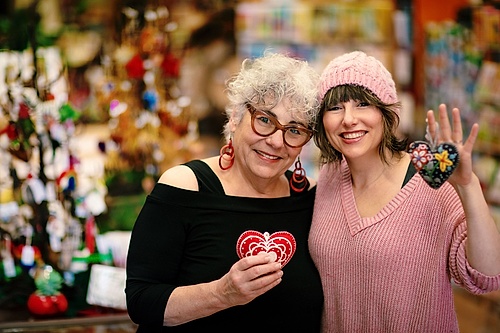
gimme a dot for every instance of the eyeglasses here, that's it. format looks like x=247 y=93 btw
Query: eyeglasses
x=265 y=124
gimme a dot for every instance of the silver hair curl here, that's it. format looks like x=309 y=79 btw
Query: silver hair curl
x=266 y=81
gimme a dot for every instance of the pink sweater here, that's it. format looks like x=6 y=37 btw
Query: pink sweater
x=391 y=272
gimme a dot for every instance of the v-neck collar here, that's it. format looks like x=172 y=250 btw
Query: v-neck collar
x=355 y=222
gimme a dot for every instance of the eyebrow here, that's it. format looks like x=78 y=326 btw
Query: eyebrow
x=292 y=122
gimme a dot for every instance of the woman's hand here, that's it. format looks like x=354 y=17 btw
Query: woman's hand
x=249 y=278
x=463 y=174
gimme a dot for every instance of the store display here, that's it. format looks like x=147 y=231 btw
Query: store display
x=462 y=69
x=47 y=201
x=452 y=63
x=54 y=200
x=150 y=123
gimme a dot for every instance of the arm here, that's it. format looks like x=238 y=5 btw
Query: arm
x=247 y=279
x=483 y=237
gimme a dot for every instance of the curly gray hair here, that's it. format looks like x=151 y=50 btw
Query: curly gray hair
x=266 y=81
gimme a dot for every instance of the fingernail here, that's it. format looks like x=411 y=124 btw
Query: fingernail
x=272 y=257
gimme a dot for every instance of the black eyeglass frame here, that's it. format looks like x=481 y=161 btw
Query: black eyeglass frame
x=278 y=126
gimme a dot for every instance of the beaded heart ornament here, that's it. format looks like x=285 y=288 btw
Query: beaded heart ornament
x=435 y=163
x=281 y=243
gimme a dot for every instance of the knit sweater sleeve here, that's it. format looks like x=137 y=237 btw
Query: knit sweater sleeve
x=462 y=272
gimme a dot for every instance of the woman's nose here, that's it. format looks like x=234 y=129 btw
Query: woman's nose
x=349 y=116
x=276 y=139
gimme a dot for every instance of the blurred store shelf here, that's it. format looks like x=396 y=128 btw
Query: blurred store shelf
x=115 y=323
x=477 y=313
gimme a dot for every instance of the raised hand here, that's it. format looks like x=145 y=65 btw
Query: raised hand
x=446 y=132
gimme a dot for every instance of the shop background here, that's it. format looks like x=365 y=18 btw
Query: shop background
x=98 y=98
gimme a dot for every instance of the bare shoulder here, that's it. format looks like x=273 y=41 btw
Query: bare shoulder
x=180 y=176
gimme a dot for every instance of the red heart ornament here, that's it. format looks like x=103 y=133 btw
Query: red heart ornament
x=252 y=242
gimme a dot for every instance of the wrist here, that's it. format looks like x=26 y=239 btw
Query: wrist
x=217 y=287
x=473 y=184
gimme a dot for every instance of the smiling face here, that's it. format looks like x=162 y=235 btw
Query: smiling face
x=264 y=157
x=354 y=128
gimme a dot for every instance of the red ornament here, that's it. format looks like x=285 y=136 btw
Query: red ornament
x=90 y=232
x=47 y=305
x=18 y=250
x=11 y=131
x=24 y=111
x=252 y=242
x=135 y=67
x=171 y=66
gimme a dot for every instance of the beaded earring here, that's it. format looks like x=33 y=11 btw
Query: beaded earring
x=299 y=182
x=227 y=154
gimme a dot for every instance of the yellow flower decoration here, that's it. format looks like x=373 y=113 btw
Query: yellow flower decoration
x=443 y=159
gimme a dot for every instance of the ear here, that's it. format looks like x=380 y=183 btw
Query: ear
x=232 y=121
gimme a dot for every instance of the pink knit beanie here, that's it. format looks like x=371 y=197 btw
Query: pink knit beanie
x=359 y=69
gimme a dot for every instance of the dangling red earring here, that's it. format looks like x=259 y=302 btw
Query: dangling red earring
x=227 y=154
x=299 y=182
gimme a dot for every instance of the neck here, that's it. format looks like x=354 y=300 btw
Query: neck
x=365 y=177
x=367 y=174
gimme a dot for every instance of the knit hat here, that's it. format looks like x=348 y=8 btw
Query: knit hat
x=358 y=68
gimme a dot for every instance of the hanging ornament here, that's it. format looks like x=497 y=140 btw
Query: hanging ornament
x=67 y=112
x=33 y=190
x=24 y=124
x=9 y=267
x=66 y=182
x=435 y=163
x=56 y=228
x=150 y=100
x=17 y=146
x=28 y=253
x=135 y=67
x=90 y=233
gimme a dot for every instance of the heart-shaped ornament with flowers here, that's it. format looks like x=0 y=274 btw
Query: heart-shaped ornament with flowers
x=281 y=243
x=435 y=165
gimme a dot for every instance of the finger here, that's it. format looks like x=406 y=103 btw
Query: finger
x=258 y=271
x=471 y=140
x=444 y=123
x=266 y=282
x=431 y=123
x=250 y=261
x=457 y=135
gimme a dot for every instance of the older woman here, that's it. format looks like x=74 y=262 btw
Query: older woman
x=221 y=243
